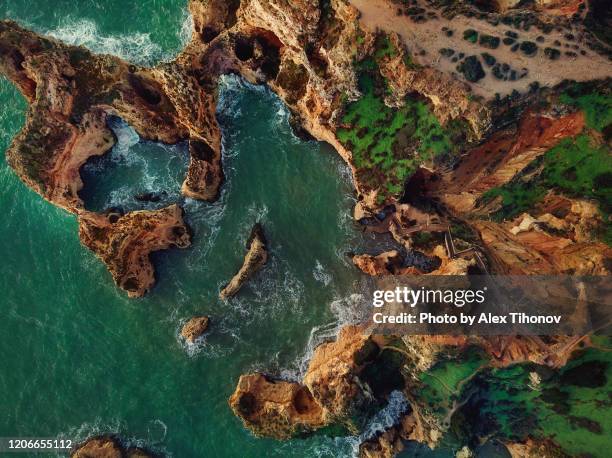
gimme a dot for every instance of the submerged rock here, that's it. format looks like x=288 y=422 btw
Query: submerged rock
x=195 y=328
x=255 y=259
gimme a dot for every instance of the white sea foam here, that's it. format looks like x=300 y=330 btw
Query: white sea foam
x=384 y=419
x=186 y=30
x=320 y=274
x=135 y=47
x=276 y=292
x=349 y=309
x=203 y=345
x=156 y=431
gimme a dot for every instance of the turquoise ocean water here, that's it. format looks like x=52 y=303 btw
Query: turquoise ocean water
x=77 y=357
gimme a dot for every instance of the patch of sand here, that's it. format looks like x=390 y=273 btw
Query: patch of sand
x=428 y=36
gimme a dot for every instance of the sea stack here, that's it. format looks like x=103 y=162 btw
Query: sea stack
x=195 y=328
x=255 y=259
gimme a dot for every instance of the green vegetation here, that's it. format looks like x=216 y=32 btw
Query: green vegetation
x=597 y=108
x=579 y=167
x=444 y=382
x=472 y=69
x=489 y=41
x=529 y=48
x=470 y=35
x=571 y=407
x=576 y=167
x=388 y=144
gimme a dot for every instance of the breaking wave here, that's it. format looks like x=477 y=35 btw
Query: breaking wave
x=135 y=47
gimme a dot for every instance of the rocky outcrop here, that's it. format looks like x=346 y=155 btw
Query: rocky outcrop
x=391 y=442
x=108 y=447
x=334 y=370
x=331 y=391
x=71 y=92
x=387 y=263
x=298 y=49
x=275 y=408
x=536 y=252
x=449 y=97
x=306 y=52
x=394 y=263
x=124 y=242
x=502 y=157
x=195 y=328
x=255 y=259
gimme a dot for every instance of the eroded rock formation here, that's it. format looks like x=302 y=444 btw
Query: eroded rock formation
x=336 y=76
x=195 y=328
x=108 y=447
x=275 y=408
x=124 y=242
x=330 y=392
x=255 y=259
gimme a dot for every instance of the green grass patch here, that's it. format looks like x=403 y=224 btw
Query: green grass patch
x=597 y=108
x=576 y=167
x=571 y=407
x=444 y=382
x=388 y=144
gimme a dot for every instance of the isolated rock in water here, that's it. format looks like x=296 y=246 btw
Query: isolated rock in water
x=195 y=328
x=108 y=447
x=124 y=242
x=277 y=409
x=99 y=447
x=332 y=391
x=256 y=257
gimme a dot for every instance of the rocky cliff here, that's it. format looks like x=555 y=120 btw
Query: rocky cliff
x=333 y=390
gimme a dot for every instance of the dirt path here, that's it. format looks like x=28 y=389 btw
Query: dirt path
x=428 y=36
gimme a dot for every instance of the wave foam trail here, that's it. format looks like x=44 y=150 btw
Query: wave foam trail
x=320 y=274
x=186 y=29
x=135 y=47
x=351 y=309
x=384 y=419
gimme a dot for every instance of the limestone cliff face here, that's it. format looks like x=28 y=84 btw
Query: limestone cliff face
x=275 y=408
x=331 y=390
x=124 y=242
x=502 y=156
x=537 y=252
x=71 y=92
x=295 y=48
x=306 y=51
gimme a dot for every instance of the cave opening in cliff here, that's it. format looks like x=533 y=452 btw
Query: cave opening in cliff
x=144 y=89
x=244 y=48
x=270 y=46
